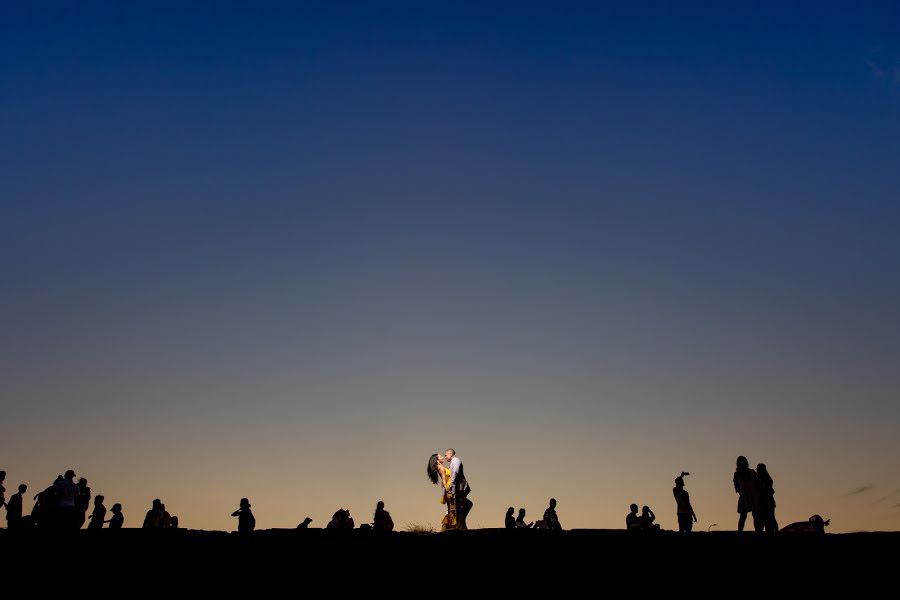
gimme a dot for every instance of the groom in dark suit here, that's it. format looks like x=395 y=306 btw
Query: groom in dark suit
x=459 y=487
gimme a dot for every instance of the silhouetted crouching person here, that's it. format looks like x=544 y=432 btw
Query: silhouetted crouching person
x=686 y=516
x=382 y=520
x=246 y=520
x=305 y=523
x=510 y=521
x=14 y=508
x=118 y=519
x=98 y=515
x=766 y=498
x=647 y=520
x=632 y=519
x=520 y=520
x=746 y=485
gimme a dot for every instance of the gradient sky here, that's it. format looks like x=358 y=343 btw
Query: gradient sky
x=287 y=251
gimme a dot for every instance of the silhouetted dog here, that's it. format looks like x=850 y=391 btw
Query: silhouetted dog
x=815 y=525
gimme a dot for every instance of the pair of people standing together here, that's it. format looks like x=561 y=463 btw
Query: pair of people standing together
x=446 y=470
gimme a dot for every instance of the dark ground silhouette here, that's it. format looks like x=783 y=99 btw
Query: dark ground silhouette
x=268 y=560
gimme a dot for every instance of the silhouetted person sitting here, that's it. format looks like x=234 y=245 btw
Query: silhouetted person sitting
x=154 y=517
x=305 y=523
x=82 y=501
x=766 y=498
x=746 y=485
x=551 y=521
x=686 y=516
x=98 y=514
x=166 y=520
x=118 y=519
x=632 y=520
x=246 y=520
x=520 y=520
x=510 y=521
x=173 y=522
x=14 y=508
x=341 y=520
x=382 y=520
x=647 y=520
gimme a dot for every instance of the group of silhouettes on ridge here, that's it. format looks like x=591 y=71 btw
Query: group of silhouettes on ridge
x=64 y=506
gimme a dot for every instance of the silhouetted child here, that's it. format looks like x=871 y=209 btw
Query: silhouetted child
x=382 y=520
x=14 y=508
x=647 y=520
x=520 y=520
x=98 y=514
x=551 y=521
x=246 y=520
x=305 y=523
x=118 y=519
x=766 y=498
x=746 y=485
x=510 y=521
x=632 y=520
x=686 y=516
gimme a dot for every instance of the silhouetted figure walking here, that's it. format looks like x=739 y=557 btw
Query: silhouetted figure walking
x=98 y=515
x=647 y=520
x=632 y=519
x=766 y=498
x=382 y=520
x=14 y=508
x=510 y=521
x=305 y=523
x=154 y=517
x=82 y=501
x=686 y=516
x=246 y=520
x=118 y=519
x=551 y=520
x=66 y=492
x=520 y=520
x=746 y=485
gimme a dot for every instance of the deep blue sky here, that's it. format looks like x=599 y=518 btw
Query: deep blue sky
x=529 y=214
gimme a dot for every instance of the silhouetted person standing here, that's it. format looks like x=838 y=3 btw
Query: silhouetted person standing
x=766 y=498
x=66 y=493
x=520 y=520
x=686 y=516
x=14 y=508
x=246 y=520
x=98 y=515
x=551 y=520
x=2 y=489
x=118 y=519
x=459 y=488
x=746 y=485
x=632 y=519
x=510 y=521
x=647 y=520
x=382 y=520
x=82 y=501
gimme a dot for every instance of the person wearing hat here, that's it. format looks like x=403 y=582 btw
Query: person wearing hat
x=246 y=520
